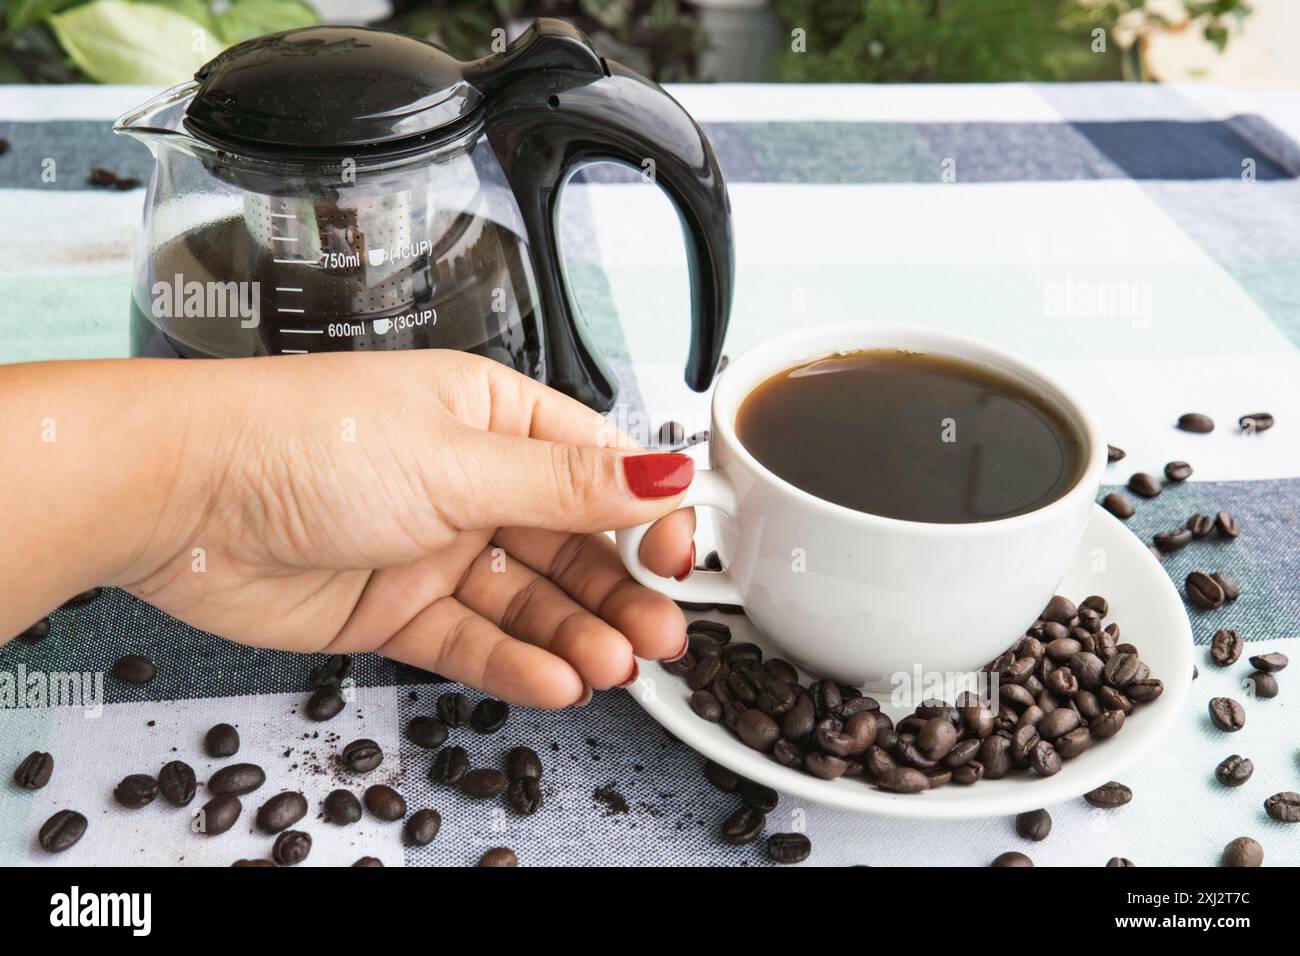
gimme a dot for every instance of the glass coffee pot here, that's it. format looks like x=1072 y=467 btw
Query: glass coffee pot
x=338 y=188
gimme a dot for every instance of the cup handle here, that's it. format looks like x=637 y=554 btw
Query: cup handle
x=709 y=489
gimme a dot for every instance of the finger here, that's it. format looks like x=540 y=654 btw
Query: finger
x=450 y=639
x=528 y=607
x=588 y=568
x=668 y=549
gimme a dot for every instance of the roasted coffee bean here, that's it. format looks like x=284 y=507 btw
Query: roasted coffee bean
x=1144 y=485
x=1113 y=453
x=1226 y=525
x=1108 y=795
x=1111 y=699
x=489 y=715
x=1074 y=743
x=761 y=798
x=499 y=856
x=1117 y=862
x=1284 y=807
x=776 y=697
x=1058 y=723
x=743 y=826
x=1034 y=825
x=732 y=711
x=787 y=754
x=221 y=741
x=387 y=804
x=1060 y=609
x=1044 y=760
x=1170 y=541
x=1085 y=702
x=247 y=864
x=961 y=754
x=995 y=756
x=757 y=730
x=781 y=670
x=903 y=780
x=1225 y=647
x=1089 y=619
x=1203 y=591
x=218 y=815
x=826 y=698
x=427 y=732
x=734 y=654
x=1062 y=683
x=1234 y=771
x=680 y=667
x=524 y=794
x=136 y=791
x=1227 y=714
x=742 y=686
x=449 y=765
x=281 y=811
x=454 y=709
x=969 y=773
x=368 y=861
x=134 y=669
x=422 y=827
x=1146 y=690
x=1108 y=724
x=936 y=739
x=362 y=756
x=1200 y=526
x=1256 y=421
x=824 y=766
x=1088 y=668
x=291 y=848
x=1013 y=859
x=523 y=762
x=34 y=772
x=788 y=848
x=1230 y=590
x=177 y=783
x=1195 y=422
x=1015 y=695
x=36 y=633
x=708 y=670
x=1121 y=670
x=332 y=672
x=238 y=778
x=722 y=778
x=483 y=784
x=61 y=831
x=1178 y=471
x=1271 y=663
x=1243 y=852
x=325 y=704
x=342 y=807
x=1262 y=684
x=715 y=630
x=1118 y=505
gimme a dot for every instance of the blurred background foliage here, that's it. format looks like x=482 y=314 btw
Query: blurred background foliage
x=878 y=41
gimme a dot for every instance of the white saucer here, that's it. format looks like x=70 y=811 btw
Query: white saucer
x=1142 y=600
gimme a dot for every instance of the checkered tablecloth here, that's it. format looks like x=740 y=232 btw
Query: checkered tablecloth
x=1019 y=214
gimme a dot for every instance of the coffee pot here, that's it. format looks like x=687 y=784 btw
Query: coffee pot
x=346 y=189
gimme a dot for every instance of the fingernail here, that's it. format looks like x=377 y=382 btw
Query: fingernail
x=658 y=475
x=585 y=699
x=686 y=646
x=636 y=672
x=690 y=566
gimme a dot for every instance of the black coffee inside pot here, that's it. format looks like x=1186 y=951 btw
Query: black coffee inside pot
x=913 y=436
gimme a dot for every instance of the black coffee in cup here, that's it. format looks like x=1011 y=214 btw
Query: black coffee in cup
x=913 y=436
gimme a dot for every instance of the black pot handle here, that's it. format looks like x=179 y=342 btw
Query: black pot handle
x=553 y=104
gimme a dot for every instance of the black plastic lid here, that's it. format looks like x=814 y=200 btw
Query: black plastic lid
x=329 y=90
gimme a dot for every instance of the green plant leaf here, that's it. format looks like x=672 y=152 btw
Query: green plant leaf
x=23 y=13
x=120 y=41
x=245 y=19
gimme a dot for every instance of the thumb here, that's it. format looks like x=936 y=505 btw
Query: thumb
x=509 y=481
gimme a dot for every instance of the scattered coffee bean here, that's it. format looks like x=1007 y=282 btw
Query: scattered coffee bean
x=1034 y=825
x=1226 y=646
x=384 y=802
x=483 y=783
x=1170 y=541
x=1118 y=505
x=177 y=783
x=1243 y=852
x=362 y=756
x=1227 y=714
x=107 y=179
x=1113 y=453
x=788 y=848
x=238 y=778
x=218 y=815
x=1272 y=663
x=499 y=856
x=325 y=704
x=706 y=706
x=421 y=828
x=454 y=709
x=1284 y=807
x=221 y=741
x=1229 y=587
x=34 y=771
x=36 y=633
x=489 y=715
x=281 y=811
x=743 y=826
x=136 y=791
x=1256 y=421
x=61 y=831
x=1012 y=858
x=291 y=848
x=1203 y=591
x=1147 y=486
x=722 y=778
x=1196 y=422
x=1178 y=471
x=1119 y=862
x=761 y=798
x=333 y=671
x=449 y=765
x=247 y=864
x=342 y=807
x=1108 y=795
x=134 y=669
x=428 y=732
x=523 y=762
x=1234 y=771
x=1200 y=526
x=370 y=862
x=524 y=794
x=1226 y=525
x=1262 y=684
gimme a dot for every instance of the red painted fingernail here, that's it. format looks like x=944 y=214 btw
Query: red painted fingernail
x=636 y=672
x=686 y=646
x=690 y=566
x=658 y=475
x=585 y=699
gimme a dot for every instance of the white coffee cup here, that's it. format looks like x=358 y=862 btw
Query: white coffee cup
x=860 y=597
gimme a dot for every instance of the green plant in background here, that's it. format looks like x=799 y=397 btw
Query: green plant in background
x=157 y=42
x=933 y=41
